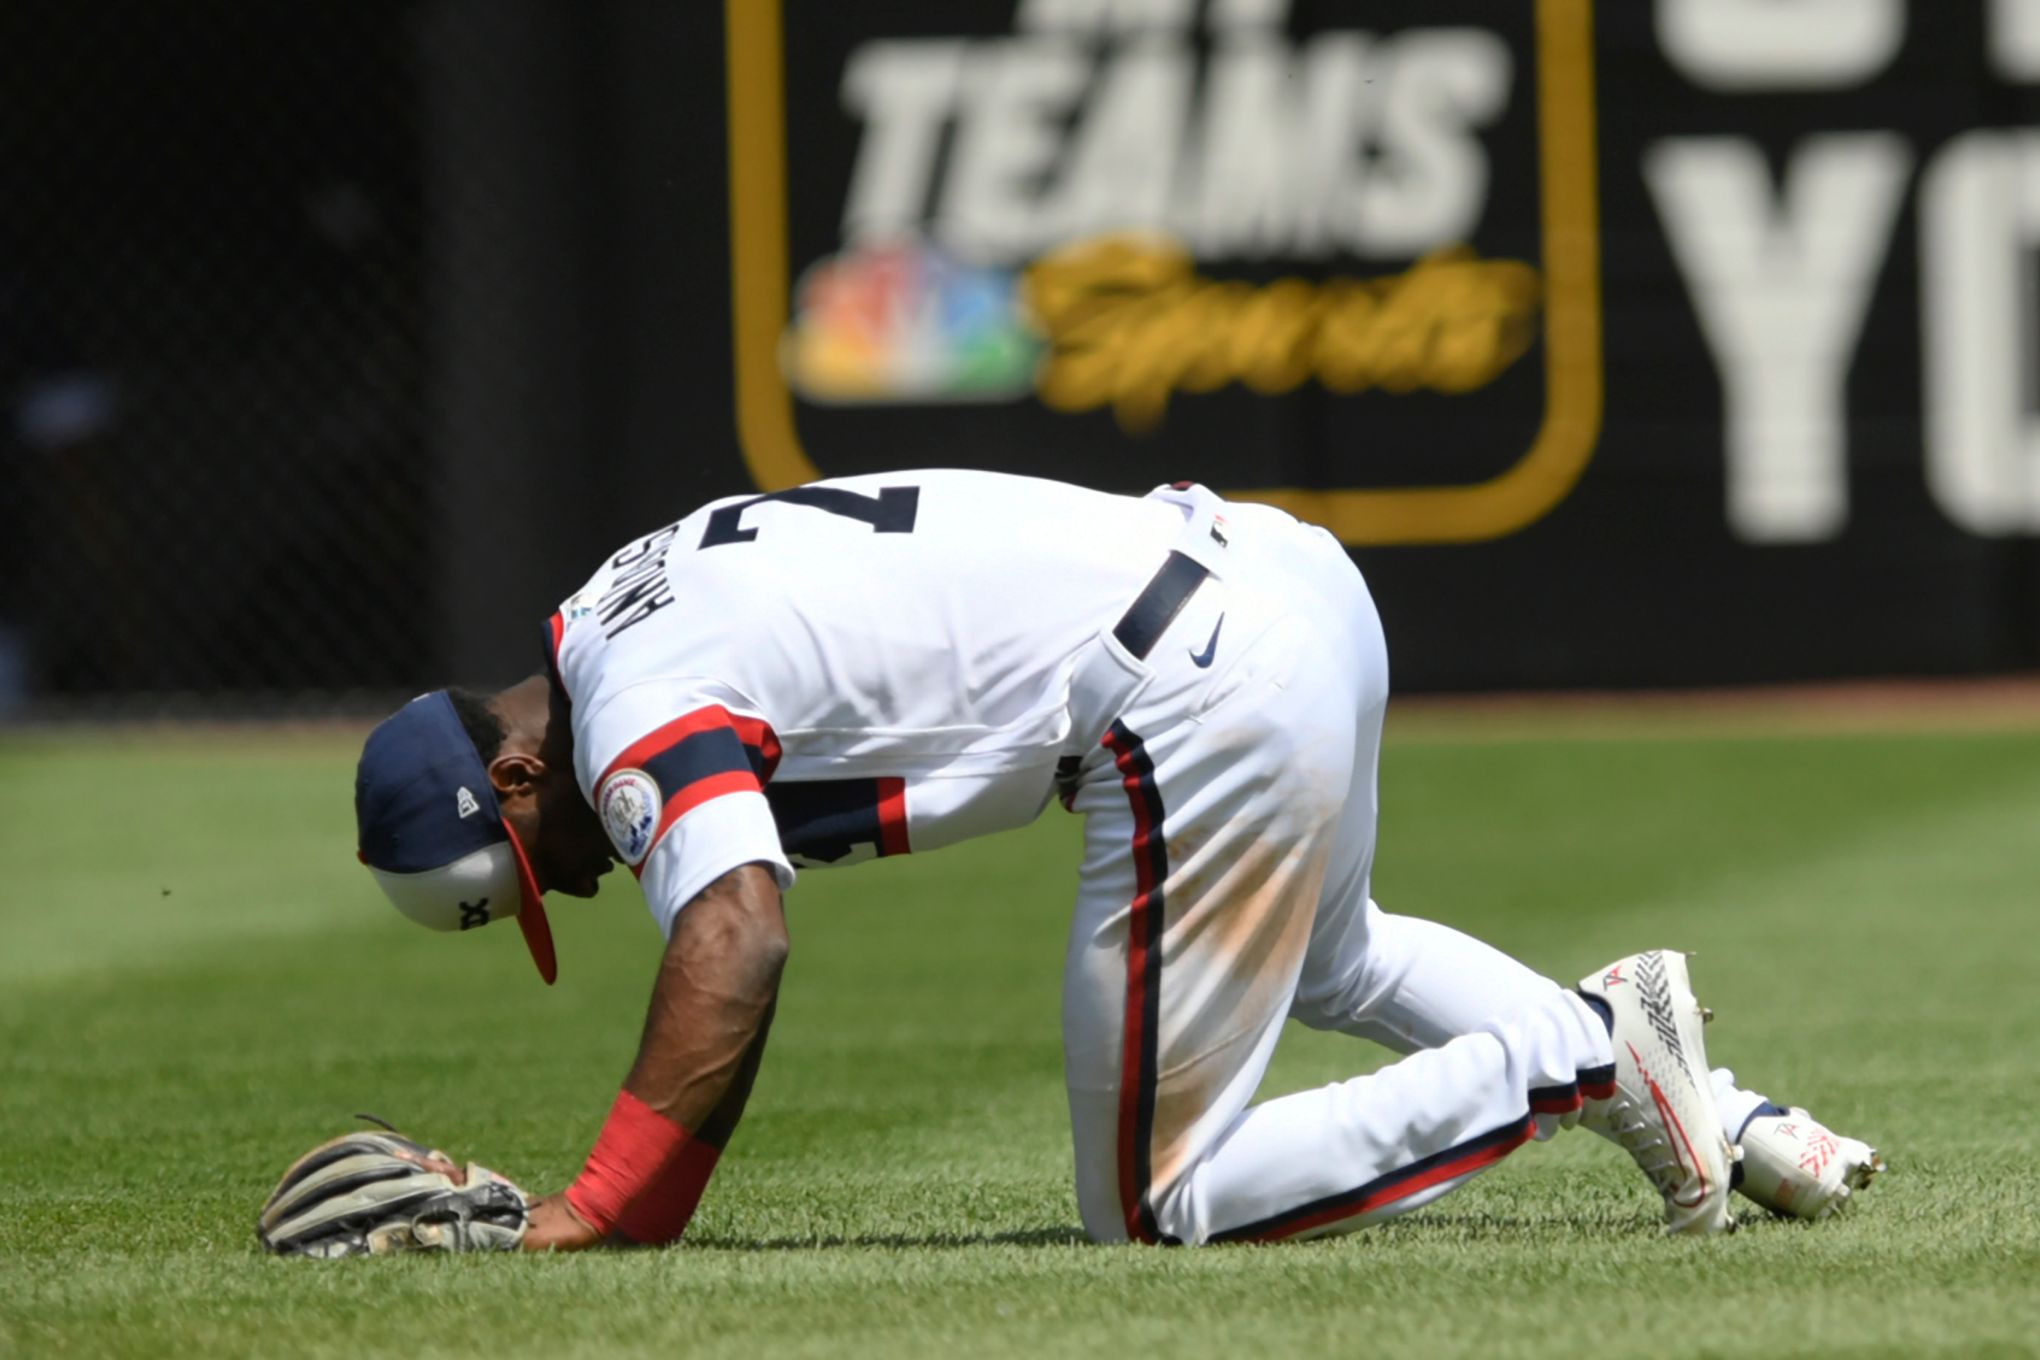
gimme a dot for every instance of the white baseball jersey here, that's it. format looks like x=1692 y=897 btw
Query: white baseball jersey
x=864 y=666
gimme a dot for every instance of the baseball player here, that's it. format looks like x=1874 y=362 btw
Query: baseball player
x=889 y=664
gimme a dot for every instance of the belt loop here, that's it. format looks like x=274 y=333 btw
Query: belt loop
x=1205 y=535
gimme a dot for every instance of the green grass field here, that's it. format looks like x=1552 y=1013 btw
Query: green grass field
x=197 y=982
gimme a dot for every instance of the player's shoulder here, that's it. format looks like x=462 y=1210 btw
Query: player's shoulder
x=633 y=621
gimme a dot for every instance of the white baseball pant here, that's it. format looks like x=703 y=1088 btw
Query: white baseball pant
x=1229 y=836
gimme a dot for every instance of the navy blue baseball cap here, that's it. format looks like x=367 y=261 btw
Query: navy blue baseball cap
x=432 y=833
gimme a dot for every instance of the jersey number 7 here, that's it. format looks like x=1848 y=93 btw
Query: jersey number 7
x=891 y=511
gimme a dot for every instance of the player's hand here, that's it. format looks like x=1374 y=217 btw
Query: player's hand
x=556 y=1227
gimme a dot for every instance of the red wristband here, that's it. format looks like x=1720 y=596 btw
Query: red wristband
x=662 y=1212
x=644 y=1177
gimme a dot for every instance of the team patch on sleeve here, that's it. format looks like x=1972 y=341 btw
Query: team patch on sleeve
x=661 y=777
x=629 y=804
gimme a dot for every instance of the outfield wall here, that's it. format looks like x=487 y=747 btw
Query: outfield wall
x=1627 y=344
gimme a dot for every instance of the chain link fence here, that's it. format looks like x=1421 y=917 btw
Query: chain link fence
x=213 y=355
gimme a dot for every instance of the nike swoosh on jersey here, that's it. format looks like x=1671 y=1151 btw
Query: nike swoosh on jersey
x=1203 y=659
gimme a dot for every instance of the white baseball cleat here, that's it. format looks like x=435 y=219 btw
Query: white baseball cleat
x=1663 y=1110
x=1795 y=1165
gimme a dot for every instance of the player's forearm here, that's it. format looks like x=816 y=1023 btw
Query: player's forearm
x=703 y=1040
x=713 y=1000
x=715 y=1130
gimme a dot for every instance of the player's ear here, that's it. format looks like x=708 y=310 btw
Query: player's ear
x=516 y=774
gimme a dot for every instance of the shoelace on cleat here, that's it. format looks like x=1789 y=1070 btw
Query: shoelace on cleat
x=1637 y=1137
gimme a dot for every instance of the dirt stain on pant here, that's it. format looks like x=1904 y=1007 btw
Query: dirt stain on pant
x=1239 y=913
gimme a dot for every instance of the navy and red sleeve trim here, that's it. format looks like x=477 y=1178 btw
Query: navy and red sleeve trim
x=703 y=755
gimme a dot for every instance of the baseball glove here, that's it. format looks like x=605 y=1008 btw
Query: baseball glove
x=372 y=1194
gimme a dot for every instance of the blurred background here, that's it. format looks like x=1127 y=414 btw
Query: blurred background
x=1666 y=343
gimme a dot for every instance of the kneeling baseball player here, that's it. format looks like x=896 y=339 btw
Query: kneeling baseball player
x=890 y=664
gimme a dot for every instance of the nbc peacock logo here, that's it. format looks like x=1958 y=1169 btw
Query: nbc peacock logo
x=905 y=321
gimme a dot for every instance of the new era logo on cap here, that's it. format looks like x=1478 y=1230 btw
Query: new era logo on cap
x=433 y=833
